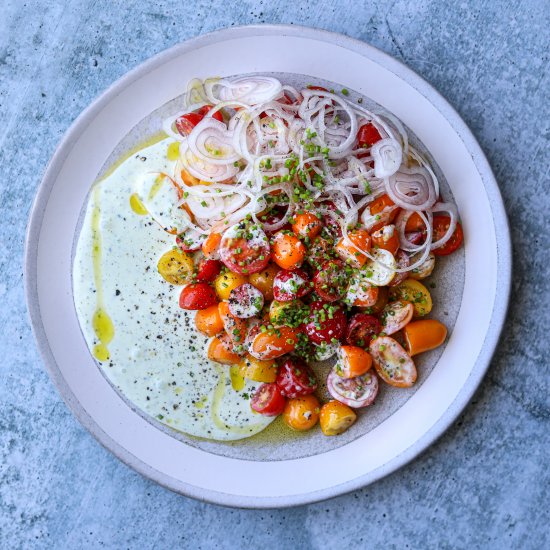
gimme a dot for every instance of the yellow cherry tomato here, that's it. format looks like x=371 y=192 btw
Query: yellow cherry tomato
x=335 y=418
x=279 y=312
x=176 y=266
x=263 y=280
x=415 y=292
x=302 y=413
x=259 y=371
x=226 y=281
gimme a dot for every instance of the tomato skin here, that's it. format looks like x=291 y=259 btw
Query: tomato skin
x=268 y=400
x=335 y=418
x=329 y=328
x=288 y=251
x=208 y=270
x=186 y=123
x=307 y=225
x=197 y=296
x=386 y=238
x=318 y=88
x=362 y=328
x=245 y=249
x=331 y=281
x=272 y=343
x=295 y=378
x=285 y=291
x=368 y=135
x=440 y=226
x=302 y=413
x=352 y=361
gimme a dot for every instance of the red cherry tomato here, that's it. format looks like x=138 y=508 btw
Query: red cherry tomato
x=295 y=378
x=362 y=328
x=289 y=285
x=244 y=248
x=328 y=322
x=318 y=88
x=440 y=227
x=268 y=400
x=275 y=215
x=331 y=281
x=197 y=296
x=357 y=392
x=190 y=240
x=208 y=270
x=186 y=123
x=319 y=252
x=368 y=135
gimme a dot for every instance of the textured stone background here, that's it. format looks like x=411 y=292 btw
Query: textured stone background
x=485 y=484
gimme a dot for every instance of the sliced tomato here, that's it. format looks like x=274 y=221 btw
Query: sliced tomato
x=357 y=392
x=328 y=322
x=318 y=88
x=190 y=240
x=290 y=285
x=368 y=135
x=295 y=378
x=268 y=400
x=331 y=280
x=186 y=123
x=244 y=248
x=208 y=270
x=396 y=315
x=392 y=363
x=197 y=296
x=245 y=301
x=440 y=227
x=362 y=328
x=386 y=237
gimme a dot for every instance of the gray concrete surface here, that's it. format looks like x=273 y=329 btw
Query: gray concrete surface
x=485 y=484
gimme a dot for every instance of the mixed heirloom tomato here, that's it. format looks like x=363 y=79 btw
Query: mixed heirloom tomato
x=274 y=302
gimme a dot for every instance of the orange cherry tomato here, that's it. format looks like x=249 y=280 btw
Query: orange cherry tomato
x=211 y=245
x=352 y=361
x=219 y=351
x=235 y=327
x=208 y=321
x=263 y=280
x=302 y=413
x=335 y=418
x=378 y=206
x=288 y=251
x=386 y=238
x=424 y=335
x=415 y=223
x=441 y=225
x=307 y=225
x=361 y=239
x=381 y=301
x=273 y=343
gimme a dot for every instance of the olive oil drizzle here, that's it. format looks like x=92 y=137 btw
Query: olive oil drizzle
x=101 y=322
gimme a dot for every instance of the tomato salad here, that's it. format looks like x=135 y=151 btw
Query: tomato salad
x=306 y=225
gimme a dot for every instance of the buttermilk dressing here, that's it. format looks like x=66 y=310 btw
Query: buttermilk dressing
x=145 y=344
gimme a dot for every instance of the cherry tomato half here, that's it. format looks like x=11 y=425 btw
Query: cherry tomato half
x=362 y=328
x=368 y=135
x=290 y=285
x=440 y=227
x=357 y=392
x=197 y=296
x=295 y=378
x=186 y=123
x=208 y=270
x=328 y=322
x=331 y=280
x=268 y=400
x=244 y=248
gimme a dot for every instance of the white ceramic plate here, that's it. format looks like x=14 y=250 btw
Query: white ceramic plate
x=243 y=479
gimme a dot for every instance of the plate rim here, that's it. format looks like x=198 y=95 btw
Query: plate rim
x=503 y=270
